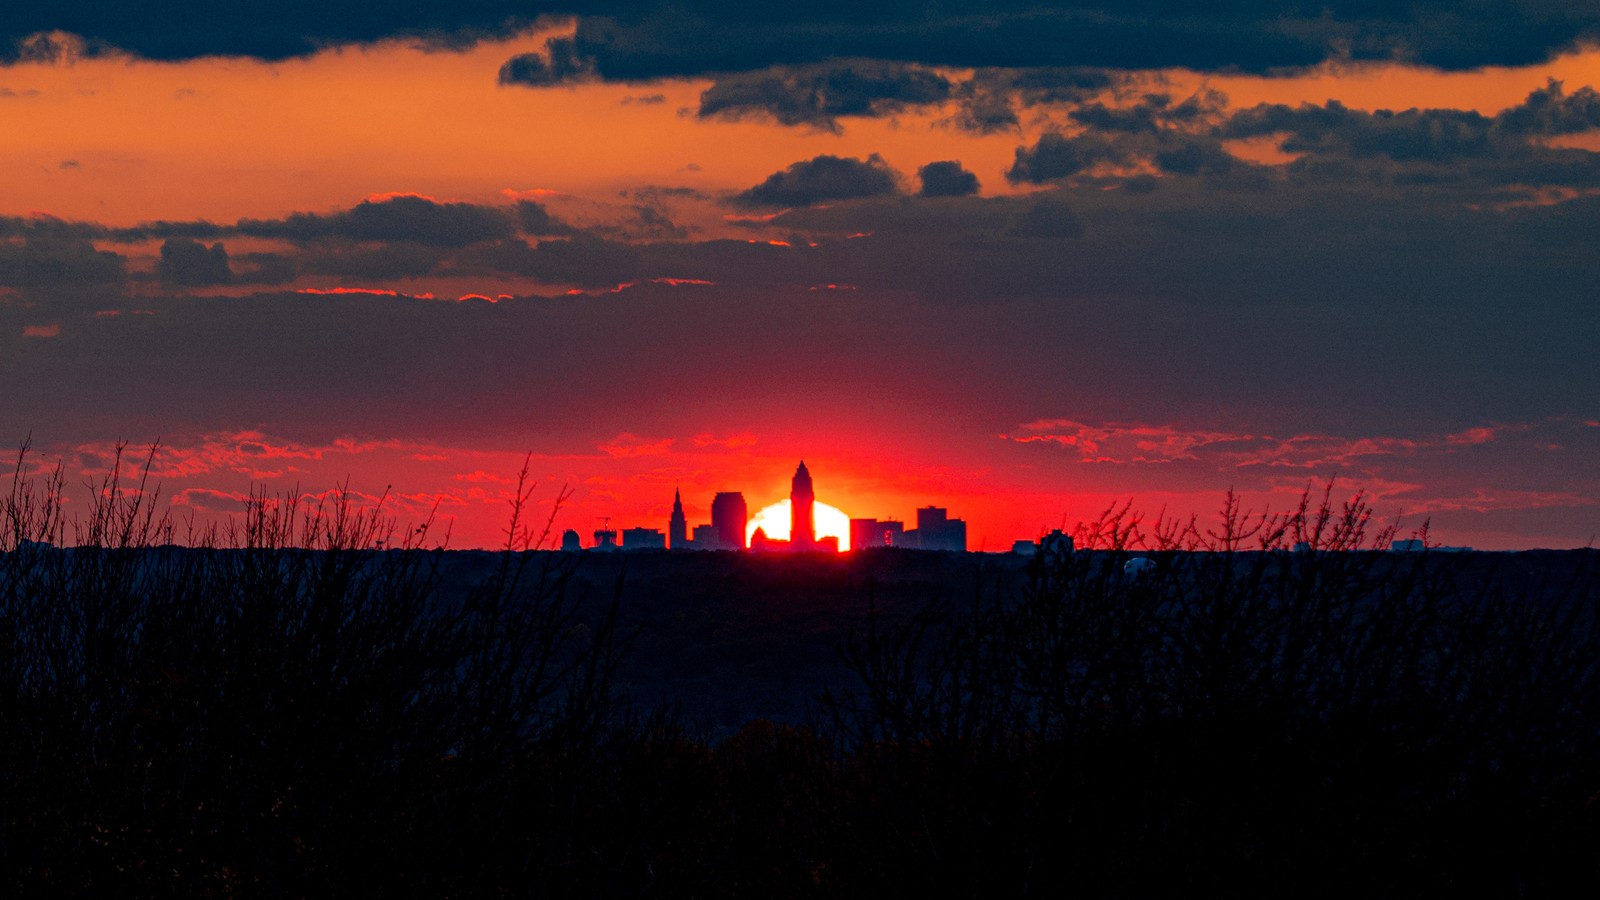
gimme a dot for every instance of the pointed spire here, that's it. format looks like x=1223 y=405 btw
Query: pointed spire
x=678 y=526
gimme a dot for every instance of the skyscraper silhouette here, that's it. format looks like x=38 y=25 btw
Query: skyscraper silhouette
x=678 y=526
x=728 y=516
x=802 y=511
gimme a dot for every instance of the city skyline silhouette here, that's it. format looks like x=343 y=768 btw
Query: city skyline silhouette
x=729 y=518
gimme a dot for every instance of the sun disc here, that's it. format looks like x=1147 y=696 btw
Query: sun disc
x=774 y=520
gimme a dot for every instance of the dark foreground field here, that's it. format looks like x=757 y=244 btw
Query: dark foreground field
x=303 y=716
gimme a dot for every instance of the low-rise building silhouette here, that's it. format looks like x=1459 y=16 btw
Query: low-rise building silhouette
x=643 y=539
x=937 y=531
x=866 y=534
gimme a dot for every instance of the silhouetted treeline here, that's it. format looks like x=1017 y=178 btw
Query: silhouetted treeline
x=282 y=710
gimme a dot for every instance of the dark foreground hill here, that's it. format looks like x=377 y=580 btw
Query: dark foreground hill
x=338 y=721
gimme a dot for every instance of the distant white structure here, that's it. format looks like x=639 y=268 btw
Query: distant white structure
x=1137 y=566
x=1057 y=542
x=1413 y=545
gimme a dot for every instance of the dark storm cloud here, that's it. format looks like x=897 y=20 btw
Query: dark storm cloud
x=989 y=100
x=375 y=261
x=821 y=179
x=946 y=178
x=986 y=108
x=417 y=222
x=817 y=95
x=602 y=262
x=680 y=40
x=54 y=259
x=648 y=222
x=185 y=261
x=1173 y=138
x=1413 y=134
x=182 y=29
x=1151 y=114
x=1421 y=134
x=33 y=48
x=264 y=268
x=1197 y=242
x=667 y=38
x=49 y=227
x=1330 y=311
x=1551 y=111
x=558 y=64
x=1058 y=84
x=144 y=231
x=393 y=237
x=48 y=253
x=403 y=218
x=533 y=218
x=677 y=41
x=1448 y=149
x=1185 y=155
x=584 y=260
x=1055 y=156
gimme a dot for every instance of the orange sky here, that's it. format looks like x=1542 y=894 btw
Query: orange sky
x=120 y=141
x=223 y=139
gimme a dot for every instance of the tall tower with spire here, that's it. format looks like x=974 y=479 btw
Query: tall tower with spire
x=678 y=526
x=802 y=509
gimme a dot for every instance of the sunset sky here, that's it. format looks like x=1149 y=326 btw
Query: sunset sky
x=1019 y=260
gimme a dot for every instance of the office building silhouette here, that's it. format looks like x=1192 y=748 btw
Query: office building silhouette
x=729 y=515
x=937 y=531
x=643 y=539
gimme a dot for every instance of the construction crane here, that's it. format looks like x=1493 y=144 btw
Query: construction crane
x=605 y=538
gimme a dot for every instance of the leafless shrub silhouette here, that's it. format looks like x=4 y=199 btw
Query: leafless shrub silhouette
x=1410 y=707
x=278 y=707
x=1269 y=706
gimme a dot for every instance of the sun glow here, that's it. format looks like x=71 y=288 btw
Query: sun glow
x=774 y=520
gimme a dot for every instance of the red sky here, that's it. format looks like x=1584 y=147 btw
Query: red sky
x=1136 y=303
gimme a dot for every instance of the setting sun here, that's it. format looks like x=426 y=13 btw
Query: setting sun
x=774 y=520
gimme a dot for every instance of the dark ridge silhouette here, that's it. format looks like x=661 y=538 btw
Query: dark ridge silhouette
x=1265 y=706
